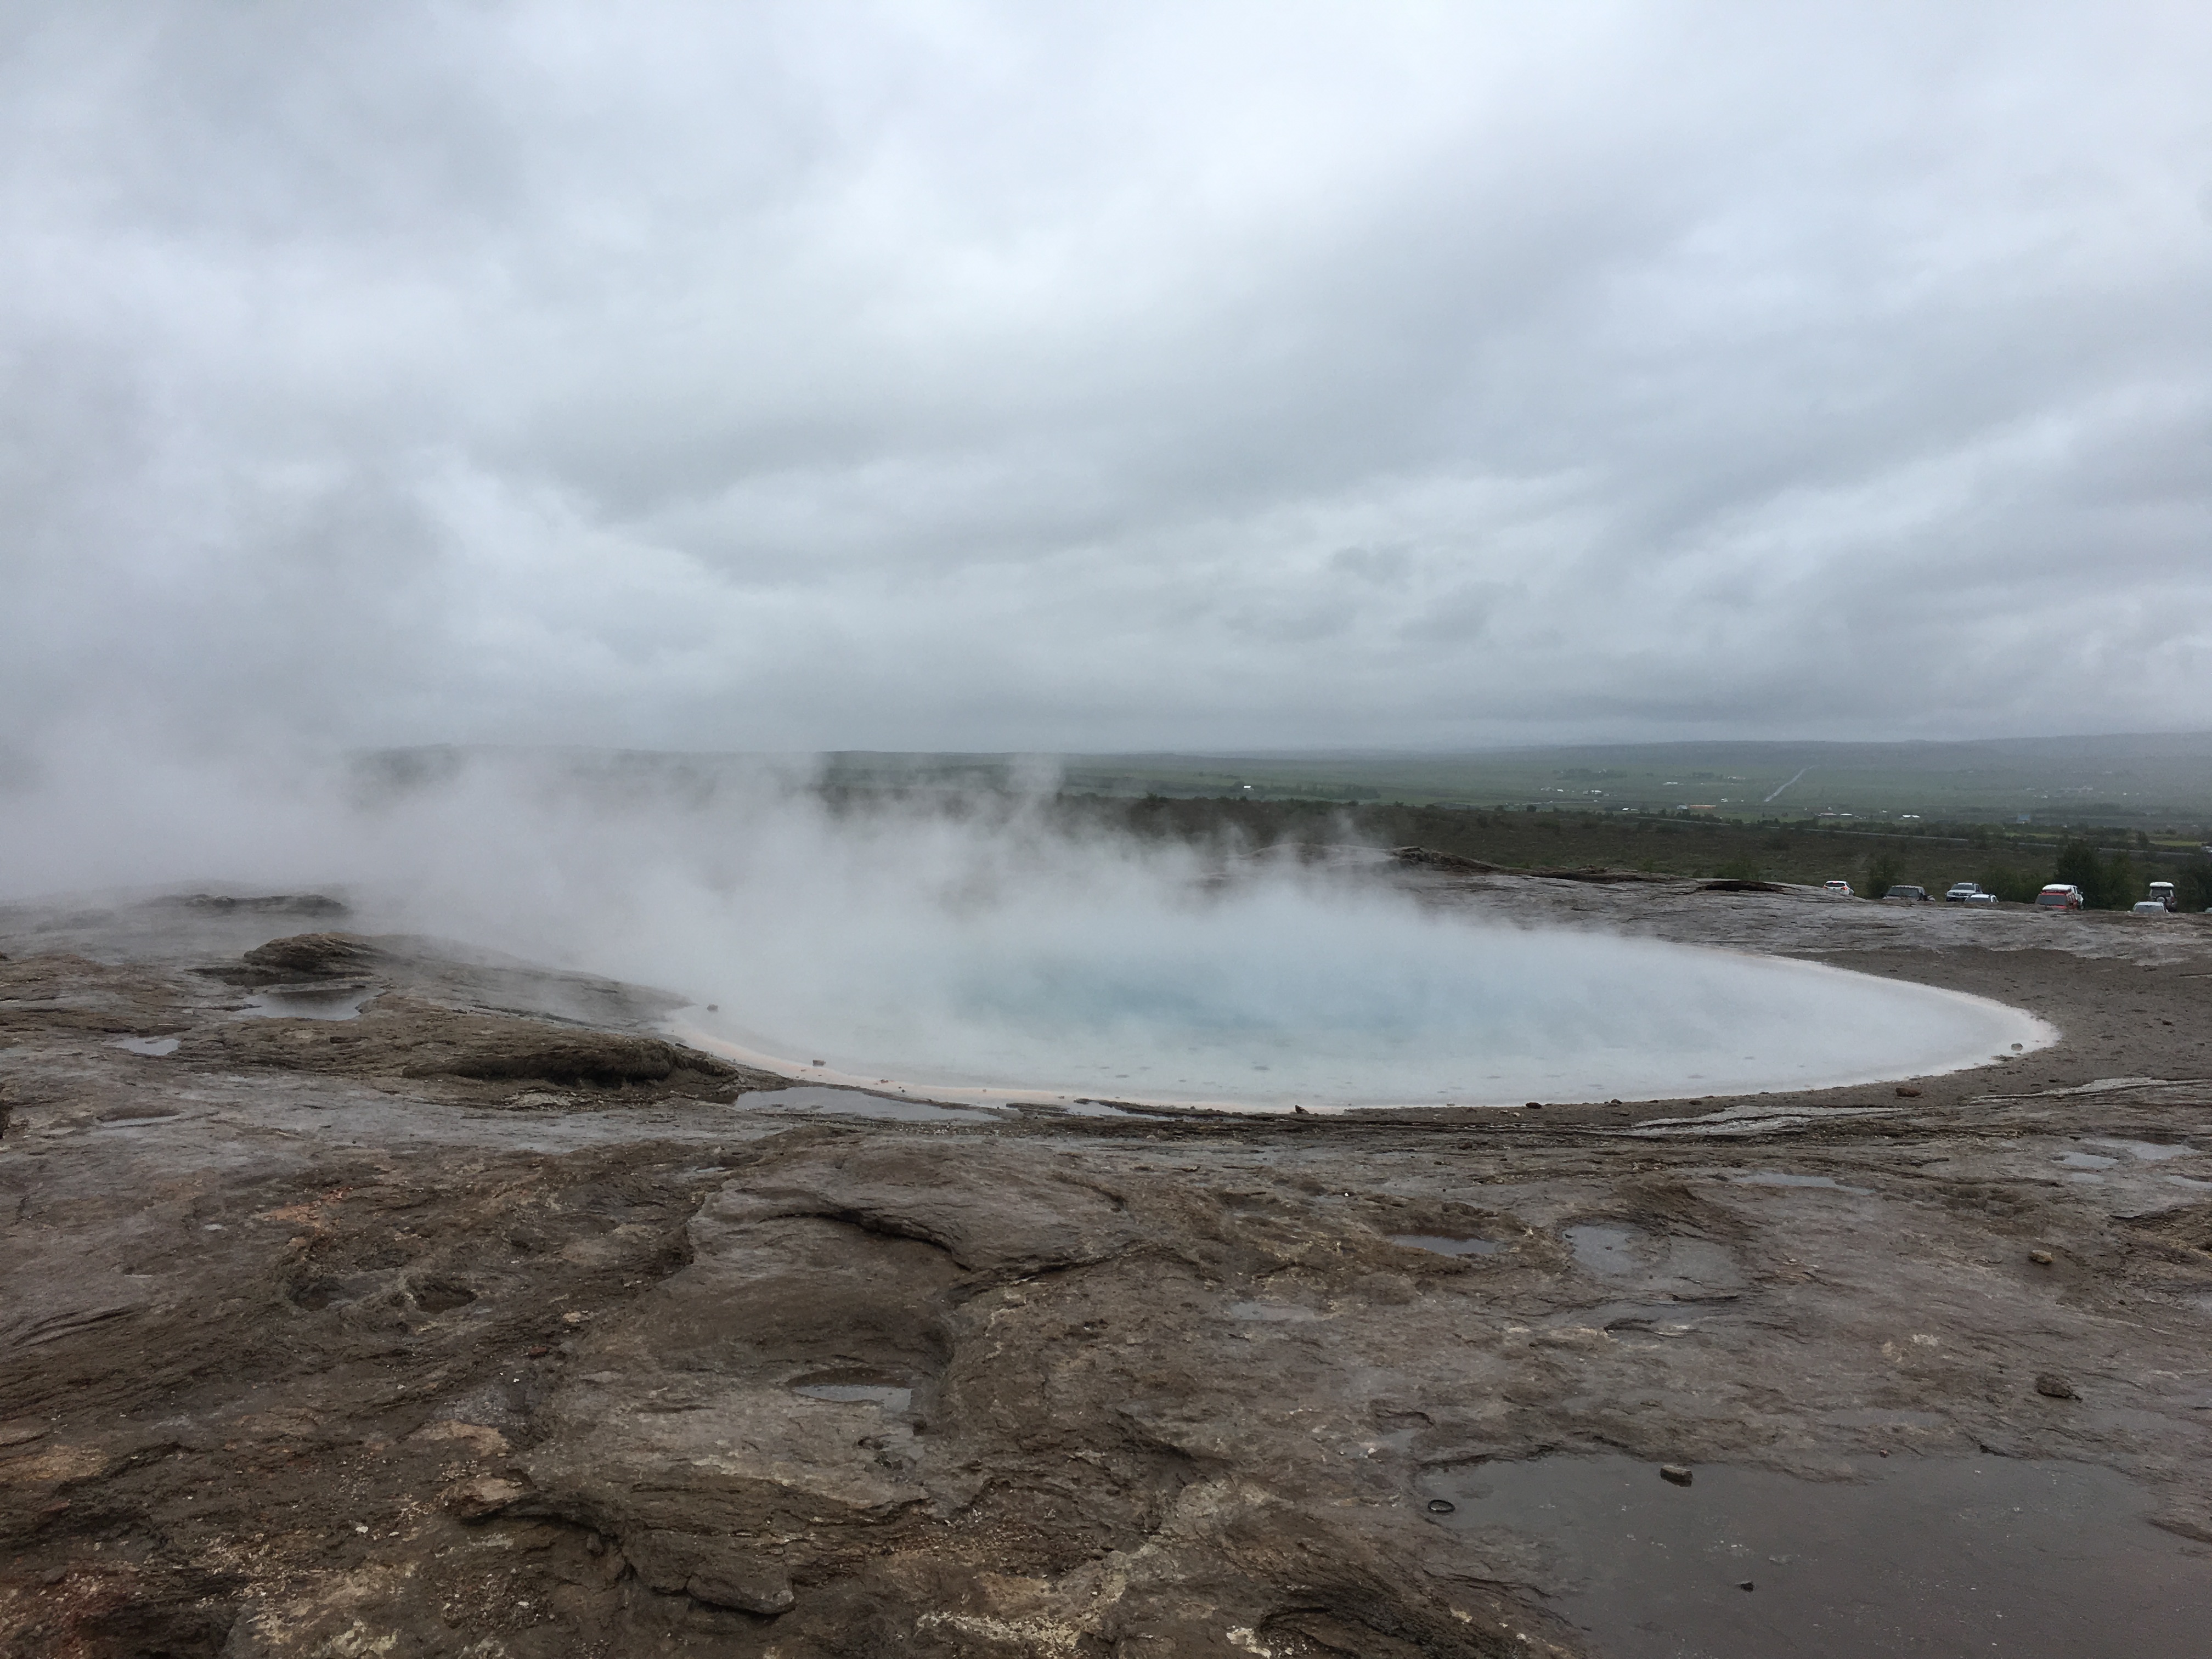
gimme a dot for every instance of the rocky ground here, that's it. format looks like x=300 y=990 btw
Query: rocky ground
x=487 y=1321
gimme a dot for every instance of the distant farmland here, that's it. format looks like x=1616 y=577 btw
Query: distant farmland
x=2157 y=783
x=1932 y=856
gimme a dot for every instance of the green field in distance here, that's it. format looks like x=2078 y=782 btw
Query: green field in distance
x=2150 y=782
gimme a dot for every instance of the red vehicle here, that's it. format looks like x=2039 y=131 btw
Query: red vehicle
x=2059 y=895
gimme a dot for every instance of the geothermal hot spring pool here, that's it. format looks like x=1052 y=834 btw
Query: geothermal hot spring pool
x=1287 y=999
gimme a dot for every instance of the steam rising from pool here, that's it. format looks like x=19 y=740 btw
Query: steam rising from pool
x=1284 y=994
x=968 y=945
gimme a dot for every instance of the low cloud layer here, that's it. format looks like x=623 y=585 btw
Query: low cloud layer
x=1082 y=377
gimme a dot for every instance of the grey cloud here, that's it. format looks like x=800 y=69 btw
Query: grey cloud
x=980 y=375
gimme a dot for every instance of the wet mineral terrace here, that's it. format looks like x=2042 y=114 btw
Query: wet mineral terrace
x=486 y=1320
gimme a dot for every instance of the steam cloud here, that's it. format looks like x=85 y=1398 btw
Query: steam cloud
x=966 y=944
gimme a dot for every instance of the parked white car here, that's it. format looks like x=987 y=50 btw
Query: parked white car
x=1962 y=892
x=2150 y=908
x=1979 y=897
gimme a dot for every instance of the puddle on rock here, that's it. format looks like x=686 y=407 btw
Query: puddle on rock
x=815 y=1099
x=156 y=1047
x=1659 y=1262
x=1103 y=1109
x=1780 y=1178
x=861 y=1394
x=1609 y=1252
x=1750 y=1121
x=1935 y=1558
x=2085 y=1161
x=2146 y=1151
x=339 y=1000
x=1441 y=1245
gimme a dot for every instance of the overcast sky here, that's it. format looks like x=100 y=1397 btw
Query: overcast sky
x=1058 y=376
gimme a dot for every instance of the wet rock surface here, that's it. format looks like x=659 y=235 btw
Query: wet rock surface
x=488 y=1321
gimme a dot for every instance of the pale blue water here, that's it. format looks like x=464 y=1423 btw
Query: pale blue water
x=1273 y=1008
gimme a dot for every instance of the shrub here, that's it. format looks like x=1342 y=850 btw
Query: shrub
x=2013 y=886
x=2106 y=884
x=2192 y=885
x=2123 y=885
x=1883 y=871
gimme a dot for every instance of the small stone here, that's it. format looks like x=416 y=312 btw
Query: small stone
x=1535 y=1106
x=539 y=1351
x=2041 y=1258
x=1907 y=1091
x=482 y=1498
x=2052 y=1386
x=481 y=1438
x=1744 y=1584
x=572 y=1319
x=1441 y=1506
x=1678 y=1473
x=751 y=1587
